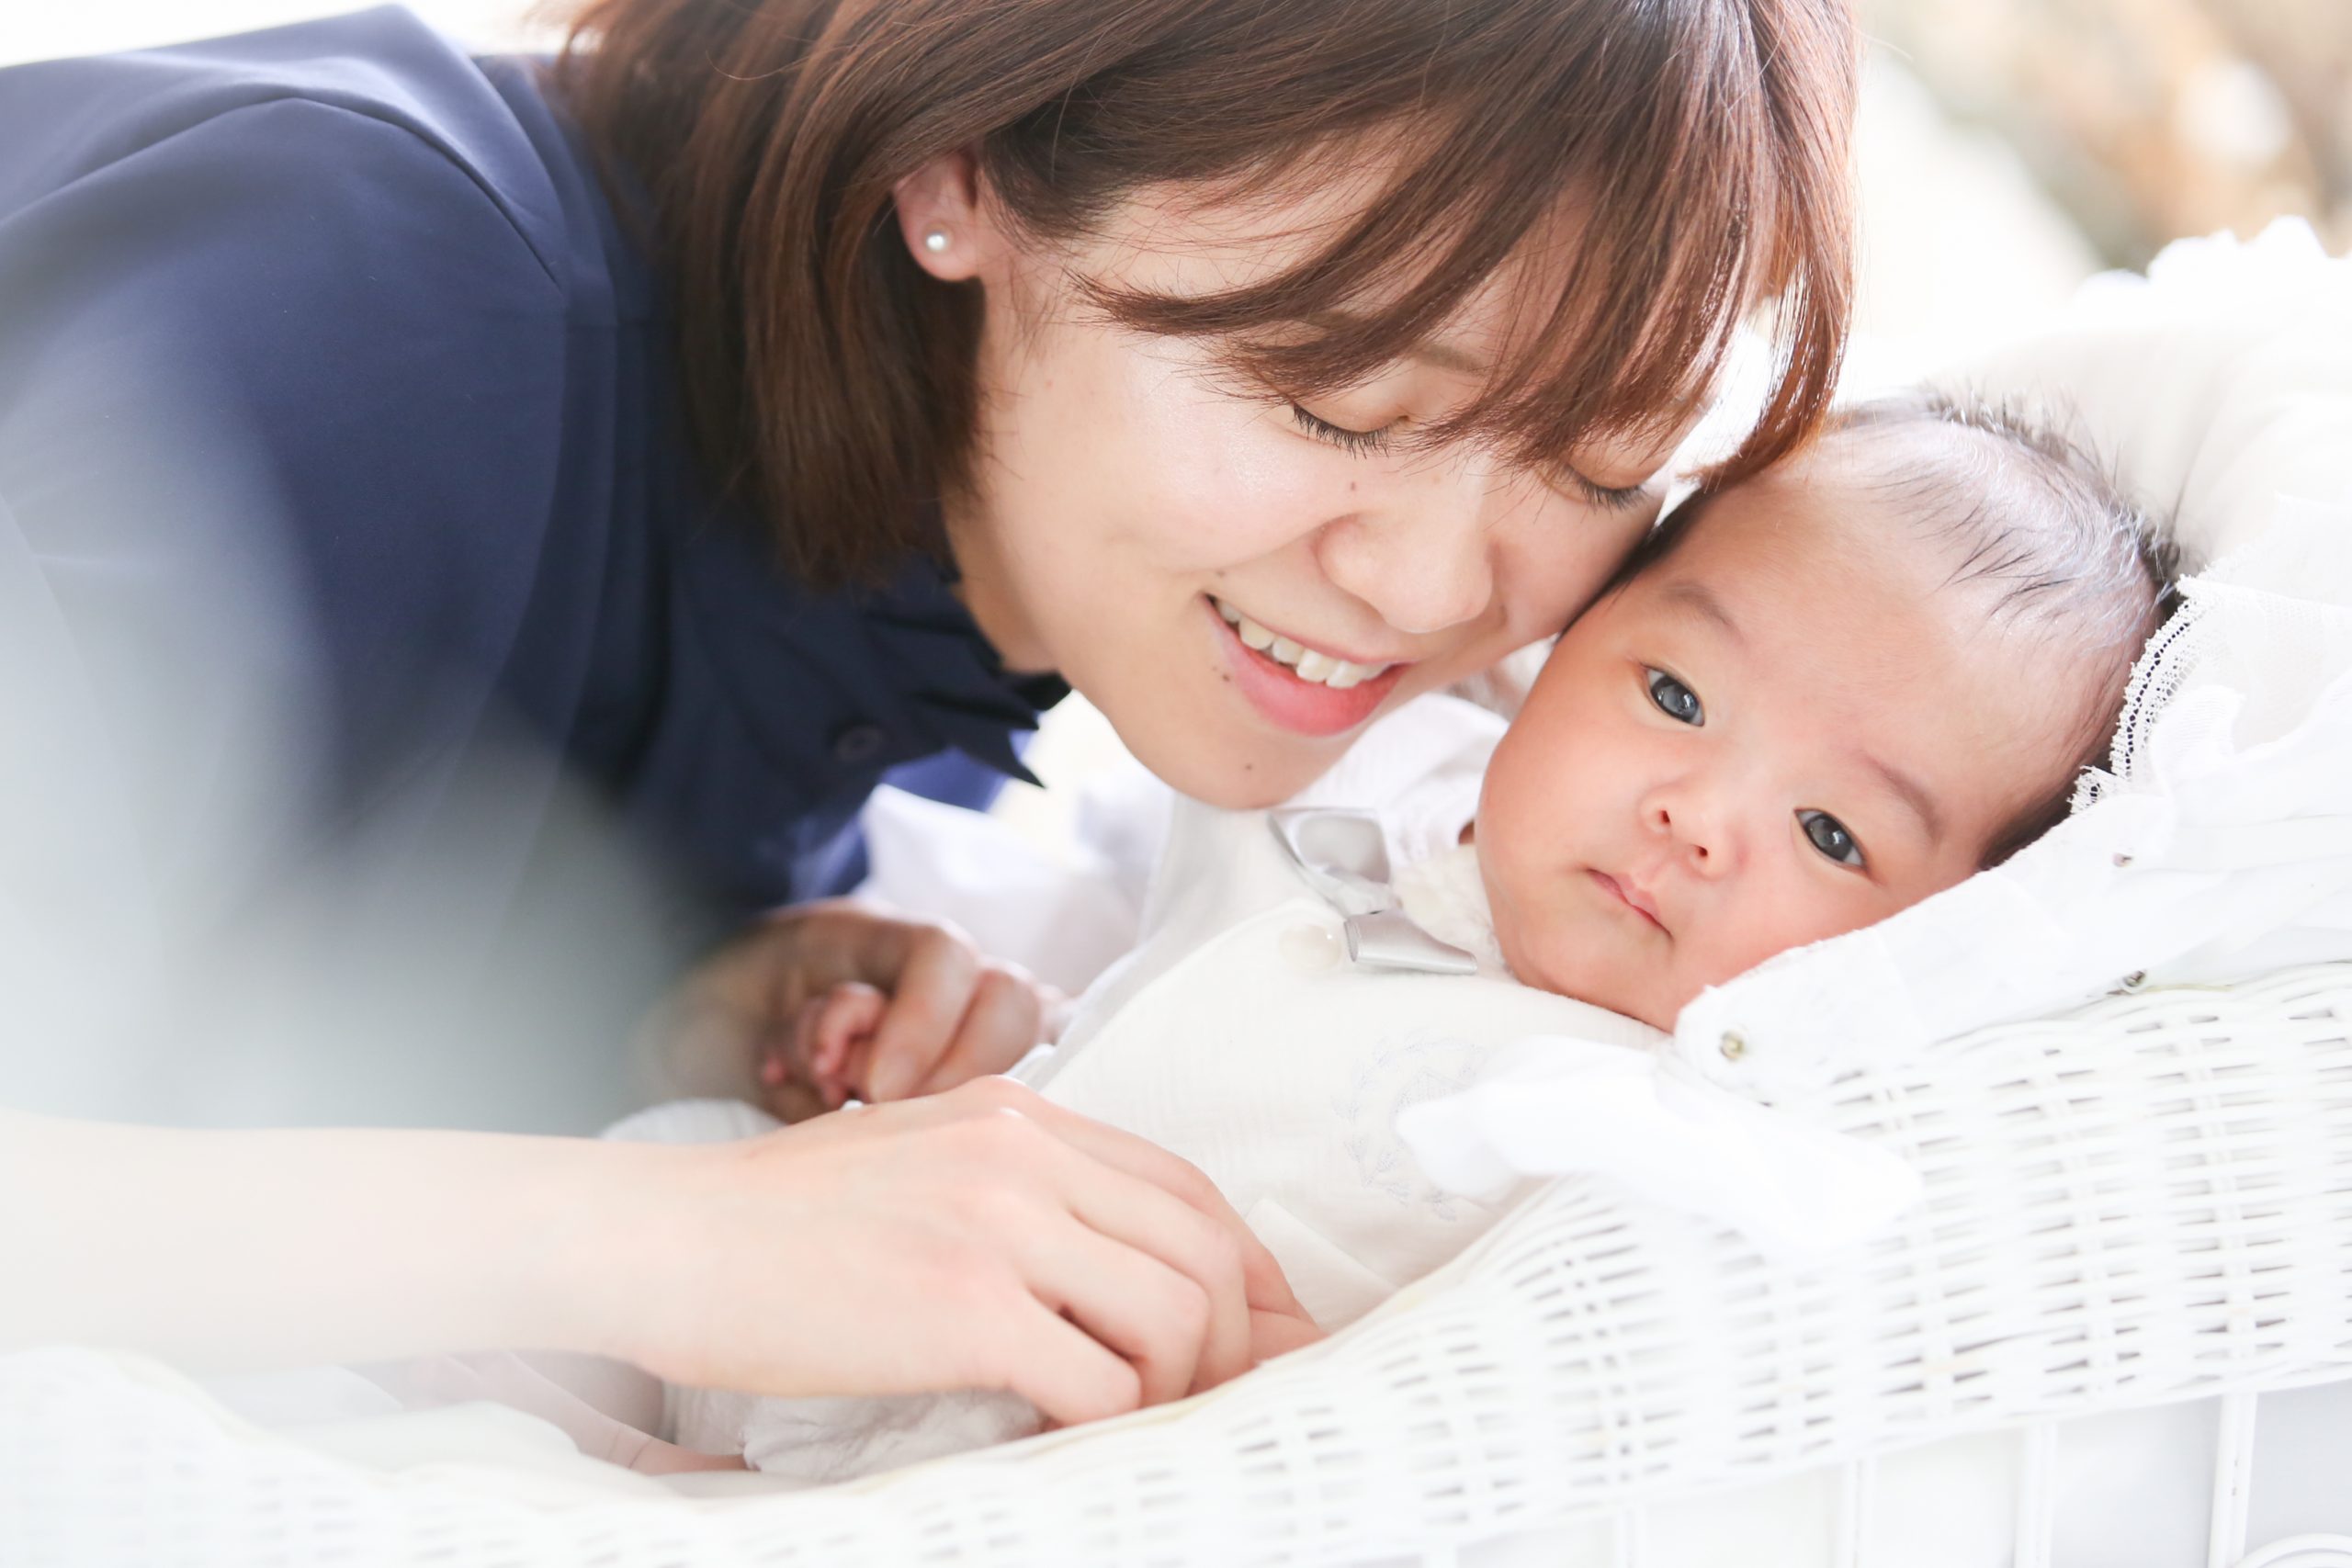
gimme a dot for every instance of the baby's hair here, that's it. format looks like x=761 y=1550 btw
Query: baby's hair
x=2030 y=514
x=2032 y=511
x=2035 y=516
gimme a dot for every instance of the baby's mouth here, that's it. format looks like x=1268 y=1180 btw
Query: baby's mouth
x=1632 y=896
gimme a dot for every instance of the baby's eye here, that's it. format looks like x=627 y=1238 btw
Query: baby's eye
x=1674 y=699
x=1829 y=836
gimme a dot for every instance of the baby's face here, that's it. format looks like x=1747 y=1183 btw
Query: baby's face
x=1789 y=727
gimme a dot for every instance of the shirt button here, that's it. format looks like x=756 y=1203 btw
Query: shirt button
x=858 y=742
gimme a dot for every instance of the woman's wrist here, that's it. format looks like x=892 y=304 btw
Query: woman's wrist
x=571 y=1242
x=607 y=1265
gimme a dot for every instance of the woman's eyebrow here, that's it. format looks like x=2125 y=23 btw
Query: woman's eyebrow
x=1446 y=357
x=1440 y=356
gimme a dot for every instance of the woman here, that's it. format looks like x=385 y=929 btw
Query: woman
x=771 y=395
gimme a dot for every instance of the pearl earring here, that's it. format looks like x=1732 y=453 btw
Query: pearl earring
x=935 y=240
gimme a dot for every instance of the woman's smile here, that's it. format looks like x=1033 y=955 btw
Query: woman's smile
x=1307 y=661
x=1305 y=689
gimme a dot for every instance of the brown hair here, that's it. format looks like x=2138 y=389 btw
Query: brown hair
x=831 y=381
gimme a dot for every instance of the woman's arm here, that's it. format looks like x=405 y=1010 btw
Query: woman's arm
x=978 y=1239
x=232 y=1250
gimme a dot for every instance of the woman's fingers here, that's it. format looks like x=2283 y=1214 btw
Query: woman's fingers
x=1212 y=1317
x=932 y=991
x=1002 y=1023
x=951 y=1015
x=1065 y=1371
x=1156 y=1318
x=1137 y=1210
x=975 y=1238
x=1139 y=1157
x=1275 y=1334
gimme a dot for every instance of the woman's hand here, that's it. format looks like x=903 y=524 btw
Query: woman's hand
x=980 y=1238
x=823 y=1003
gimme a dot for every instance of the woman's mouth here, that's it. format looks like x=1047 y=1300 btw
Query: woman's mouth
x=1302 y=689
x=1304 y=662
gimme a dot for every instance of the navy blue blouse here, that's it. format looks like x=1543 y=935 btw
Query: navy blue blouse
x=337 y=305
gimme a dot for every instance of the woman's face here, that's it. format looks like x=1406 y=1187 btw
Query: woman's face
x=1241 y=584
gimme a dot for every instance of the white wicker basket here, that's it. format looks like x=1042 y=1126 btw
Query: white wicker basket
x=2150 y=1202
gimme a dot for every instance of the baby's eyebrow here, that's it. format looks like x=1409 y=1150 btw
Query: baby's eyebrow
x=1912 y=792
x=1699 y=599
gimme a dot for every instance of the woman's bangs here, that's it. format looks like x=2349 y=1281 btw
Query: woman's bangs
x=1634 y=234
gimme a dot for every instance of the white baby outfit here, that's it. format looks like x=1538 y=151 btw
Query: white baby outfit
x=1237 y=1035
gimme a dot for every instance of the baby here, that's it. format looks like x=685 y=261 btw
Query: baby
x=1809 y=700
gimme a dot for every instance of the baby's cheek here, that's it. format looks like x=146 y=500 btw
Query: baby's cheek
x=1796 y=915
x=1574 y=959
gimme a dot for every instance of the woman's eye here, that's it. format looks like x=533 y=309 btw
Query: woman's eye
x=1361 y=442
x=1604 y=499
x=1829 y=836
x=1674 y=699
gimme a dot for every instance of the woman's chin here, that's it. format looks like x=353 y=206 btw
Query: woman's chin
x=1239 y=775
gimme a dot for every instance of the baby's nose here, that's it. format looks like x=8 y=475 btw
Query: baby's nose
x=1701 y=836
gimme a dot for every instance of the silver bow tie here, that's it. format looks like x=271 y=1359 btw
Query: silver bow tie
x=1344 y=857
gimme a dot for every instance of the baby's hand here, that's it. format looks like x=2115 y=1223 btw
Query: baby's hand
x=843 y=1046
x=830 y=1045
x=829 y=1001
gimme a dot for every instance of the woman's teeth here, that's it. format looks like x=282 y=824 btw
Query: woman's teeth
x=1303 y=662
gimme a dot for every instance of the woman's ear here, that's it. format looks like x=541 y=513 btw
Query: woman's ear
x=948 y=229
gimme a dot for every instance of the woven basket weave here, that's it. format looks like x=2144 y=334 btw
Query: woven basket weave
x=2150 y=1201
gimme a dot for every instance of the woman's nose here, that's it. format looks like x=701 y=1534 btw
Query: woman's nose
x=1421 y=556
